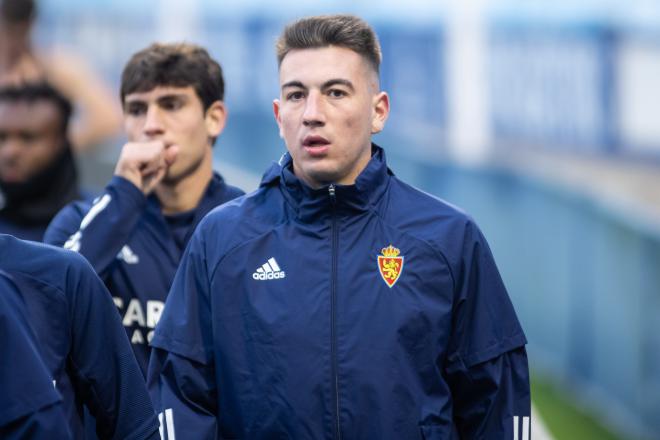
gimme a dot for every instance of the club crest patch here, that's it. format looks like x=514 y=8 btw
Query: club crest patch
x=390 y=265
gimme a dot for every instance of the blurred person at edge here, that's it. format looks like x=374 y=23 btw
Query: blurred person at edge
x=38 y=174
x=97 y=116
x=337 y=301
x=135 y=232
x=81 y=342
x=30 y=407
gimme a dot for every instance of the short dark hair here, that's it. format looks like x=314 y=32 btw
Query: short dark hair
x=176 y=65
x=17 y=11
x=39 y=91
x=346 y=31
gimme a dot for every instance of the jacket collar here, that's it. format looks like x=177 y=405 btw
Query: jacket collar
x=310 y=203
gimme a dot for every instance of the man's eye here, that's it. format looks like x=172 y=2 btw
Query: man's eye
x=28 y=137
x=135 y=110
x=336 y=93
x=295 y=96
x=172 y=104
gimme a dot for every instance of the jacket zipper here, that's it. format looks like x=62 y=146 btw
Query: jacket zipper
x=333 y=299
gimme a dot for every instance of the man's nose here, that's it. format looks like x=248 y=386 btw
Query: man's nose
x=314 y=114
x=10 y=148
x=153 y=123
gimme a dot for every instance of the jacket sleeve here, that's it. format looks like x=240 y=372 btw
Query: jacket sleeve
x=486 y=364
x=101 y=361
x=183 y=392
x=100 y=231
x=492 y=399
x=181 y=375
x=47 y=422
x=30 y=407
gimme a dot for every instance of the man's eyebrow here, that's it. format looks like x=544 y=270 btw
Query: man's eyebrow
x=294 y=83
x=337 y=82
x=170 y=96
x=326 y=85
x=130 y=100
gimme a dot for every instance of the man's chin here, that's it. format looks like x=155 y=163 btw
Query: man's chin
x=319 y=178
x=171 y=179
x=175 y=175
x=13 y=178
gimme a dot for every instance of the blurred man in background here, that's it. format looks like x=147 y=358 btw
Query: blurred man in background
x=135 y=232
x=337 y=301
x=38 y=174
x=97 y=115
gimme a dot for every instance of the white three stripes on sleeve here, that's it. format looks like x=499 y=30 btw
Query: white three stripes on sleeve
x=169 y=424
x=525 y=428
x=73 y=243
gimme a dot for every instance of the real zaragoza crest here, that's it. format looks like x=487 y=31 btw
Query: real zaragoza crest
x=390 y=265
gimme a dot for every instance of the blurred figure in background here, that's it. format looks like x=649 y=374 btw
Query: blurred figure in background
x=37 y=169
x=30 y=407
x=135 y=233
x=97 y=115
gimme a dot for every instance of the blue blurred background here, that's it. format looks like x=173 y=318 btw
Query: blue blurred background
x=540 y=118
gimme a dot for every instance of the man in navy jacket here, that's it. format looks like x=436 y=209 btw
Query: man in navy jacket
x=134 y=234
x=80 y=340
x=30 y=407
x=337 y=301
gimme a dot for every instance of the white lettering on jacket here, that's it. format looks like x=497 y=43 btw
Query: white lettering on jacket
x=145 y=316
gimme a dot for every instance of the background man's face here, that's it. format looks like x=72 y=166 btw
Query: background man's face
x=30 y=138
x=174 y=115
x=328 y=109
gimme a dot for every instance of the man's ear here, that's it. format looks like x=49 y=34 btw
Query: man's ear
x=215 y=119
x=276 y=113
x=381 y=110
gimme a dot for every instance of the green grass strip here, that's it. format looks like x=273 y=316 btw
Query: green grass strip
x=564 y=420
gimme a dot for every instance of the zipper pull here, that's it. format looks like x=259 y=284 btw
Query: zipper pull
x=331 y=192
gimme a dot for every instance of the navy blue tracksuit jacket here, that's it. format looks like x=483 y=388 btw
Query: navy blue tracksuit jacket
x=81 y=340
x=368 y=311
x=30 y=407
x=126 y=238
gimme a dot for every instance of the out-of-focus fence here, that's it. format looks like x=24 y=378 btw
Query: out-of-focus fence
x=584 y=88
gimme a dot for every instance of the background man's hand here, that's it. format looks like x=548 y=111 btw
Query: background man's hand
x=145 y=163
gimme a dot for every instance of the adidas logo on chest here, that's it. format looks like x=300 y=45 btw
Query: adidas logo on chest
x=270 y=270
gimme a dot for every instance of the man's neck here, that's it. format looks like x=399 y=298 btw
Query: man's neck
x=185 y=194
